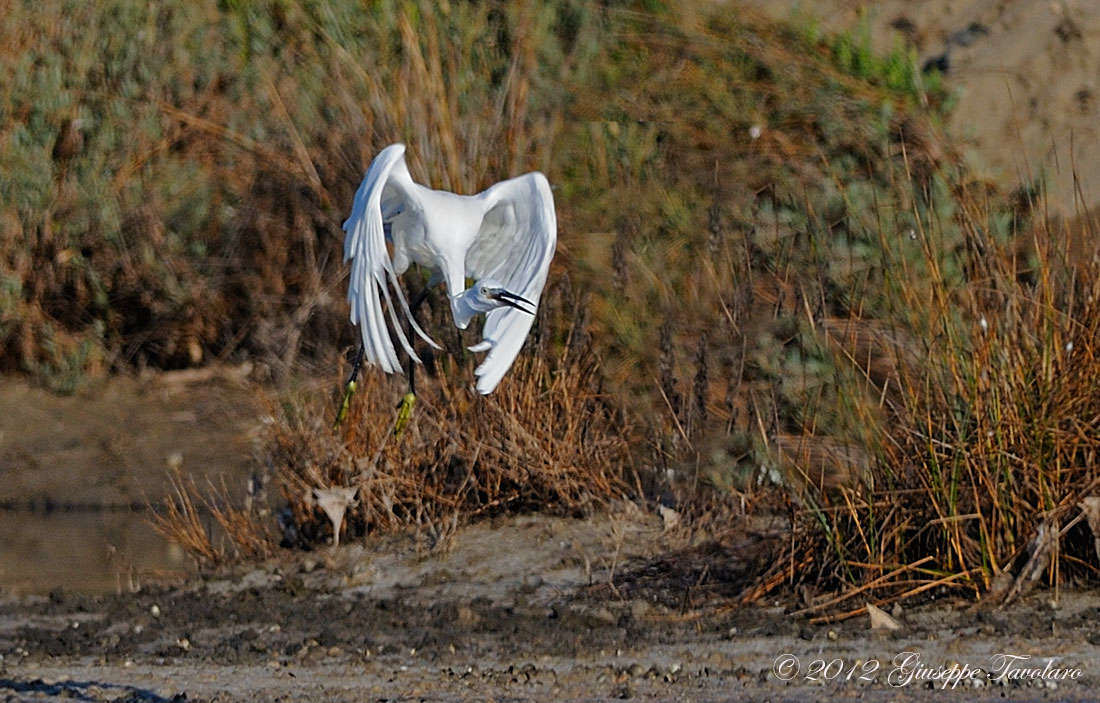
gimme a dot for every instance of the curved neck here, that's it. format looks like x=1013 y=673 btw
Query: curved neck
x=464 y=306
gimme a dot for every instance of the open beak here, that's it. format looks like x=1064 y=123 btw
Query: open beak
x=515 y=301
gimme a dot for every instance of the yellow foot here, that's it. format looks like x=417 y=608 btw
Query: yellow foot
x=349 y=391
x=404 y=412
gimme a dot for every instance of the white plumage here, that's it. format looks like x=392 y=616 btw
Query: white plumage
x=503 y=238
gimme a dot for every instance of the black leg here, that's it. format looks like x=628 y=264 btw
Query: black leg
x=356 y=366
x=419 y=299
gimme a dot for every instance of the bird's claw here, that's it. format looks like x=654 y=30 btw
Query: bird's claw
x=342 y=414
x=404 y=412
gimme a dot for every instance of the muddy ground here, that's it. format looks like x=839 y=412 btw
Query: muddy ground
x=527 y=608
x=522 y=608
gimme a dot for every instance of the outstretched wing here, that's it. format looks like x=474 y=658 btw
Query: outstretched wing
x=386 y=186
x=513 y=248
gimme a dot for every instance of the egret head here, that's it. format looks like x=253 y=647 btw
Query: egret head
x=486 y=296
x=495 y=296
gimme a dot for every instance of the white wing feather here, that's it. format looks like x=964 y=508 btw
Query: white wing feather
x=513 y=248
x=371 y=267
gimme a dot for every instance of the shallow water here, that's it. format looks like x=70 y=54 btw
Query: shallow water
x=77 y=471
x=86 y=551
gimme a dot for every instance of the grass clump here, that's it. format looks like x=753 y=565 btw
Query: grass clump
x=549 y=443
x=986 y=473
x=211 y=524
x=547 y=439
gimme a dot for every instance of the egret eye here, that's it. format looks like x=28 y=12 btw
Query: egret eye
x=485 y=290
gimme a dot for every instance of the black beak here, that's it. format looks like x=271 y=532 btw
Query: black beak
x=514 y=301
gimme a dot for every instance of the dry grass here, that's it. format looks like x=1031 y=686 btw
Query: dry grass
x=987 y=437
x=187 y=517
x=547 y=439
x=181 y=521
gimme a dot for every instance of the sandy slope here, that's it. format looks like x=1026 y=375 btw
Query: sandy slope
x=1027 y=72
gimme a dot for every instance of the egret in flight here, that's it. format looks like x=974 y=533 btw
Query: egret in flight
x=502 y=239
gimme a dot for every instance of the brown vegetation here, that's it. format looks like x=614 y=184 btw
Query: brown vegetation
x=548 y=439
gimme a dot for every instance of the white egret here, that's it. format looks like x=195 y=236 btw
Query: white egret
x=502 y=238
